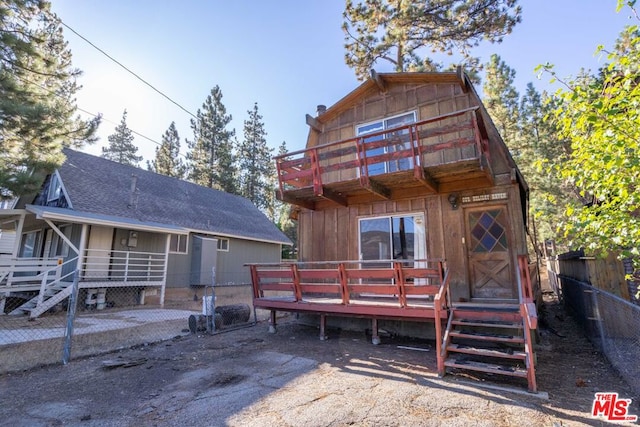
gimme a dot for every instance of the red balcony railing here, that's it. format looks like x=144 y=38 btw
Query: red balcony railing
x=417 y=147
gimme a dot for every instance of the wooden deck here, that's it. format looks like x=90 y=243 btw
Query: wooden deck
x=415 y=290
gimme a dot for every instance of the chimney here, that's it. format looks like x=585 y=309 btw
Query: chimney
x=321 y=109
x=133 y=199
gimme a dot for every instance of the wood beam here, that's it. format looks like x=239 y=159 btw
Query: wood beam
x=378 y=80
x=314 y=123
x=329 y=194
x=287 y=198
x=420 y=176
x=463 y=81
x=377 y=189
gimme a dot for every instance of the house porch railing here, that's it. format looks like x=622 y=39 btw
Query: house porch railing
x=123 y=266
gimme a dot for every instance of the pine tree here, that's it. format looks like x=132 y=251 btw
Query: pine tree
x=121 y=148
x=501 y=100
x=397 y=31
x=211 y=157
x=168 y=161
x=37 y=104
x=255 y=164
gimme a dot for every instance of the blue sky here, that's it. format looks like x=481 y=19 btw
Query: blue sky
x=286 y=55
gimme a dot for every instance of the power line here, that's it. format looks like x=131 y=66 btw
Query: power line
x=127 y=69
x=93 y=114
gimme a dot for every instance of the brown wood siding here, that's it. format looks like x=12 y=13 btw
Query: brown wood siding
x=332 y=234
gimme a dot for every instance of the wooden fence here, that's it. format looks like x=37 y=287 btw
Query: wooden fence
x=608 y=274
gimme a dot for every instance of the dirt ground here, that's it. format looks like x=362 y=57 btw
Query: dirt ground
x=249 y=377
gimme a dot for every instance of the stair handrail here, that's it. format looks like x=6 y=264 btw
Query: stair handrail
x=45 y=283
x=440 y=303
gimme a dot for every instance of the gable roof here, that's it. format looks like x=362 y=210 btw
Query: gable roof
x=375 y=82
x=95 y=185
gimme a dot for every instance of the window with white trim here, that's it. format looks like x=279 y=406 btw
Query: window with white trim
x=178 y=243
x=393 y=141
x=54 y=188
x=223 y=244
x=30 y=245
x=60 y=247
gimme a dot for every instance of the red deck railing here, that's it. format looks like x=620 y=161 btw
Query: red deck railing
x=399 y=149
x=411 y=290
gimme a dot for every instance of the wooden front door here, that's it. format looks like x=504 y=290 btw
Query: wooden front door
x=488 y=241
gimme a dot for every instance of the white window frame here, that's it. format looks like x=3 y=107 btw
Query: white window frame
x=383 y=121
x=420 y=240
x=55 y=187
x=180 y=239
x=223 y=244
x=58 y=244
x=37 y=243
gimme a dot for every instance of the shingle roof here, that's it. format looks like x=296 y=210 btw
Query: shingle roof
x=97 y=185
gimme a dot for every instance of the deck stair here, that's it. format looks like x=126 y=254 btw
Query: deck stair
x=54 y=293
x=491 y=339
x=55 y=287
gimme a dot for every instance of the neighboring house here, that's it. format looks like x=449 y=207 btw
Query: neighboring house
x=125 y=227
x=406 y=170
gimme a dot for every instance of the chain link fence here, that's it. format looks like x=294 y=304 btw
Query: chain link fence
x=611 y=323
x=104 y=317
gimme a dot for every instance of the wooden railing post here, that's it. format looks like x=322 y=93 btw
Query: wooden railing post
x=344 y=283
x=399 y=277
x=315 y=167
x=255 y=281
x=297 y=291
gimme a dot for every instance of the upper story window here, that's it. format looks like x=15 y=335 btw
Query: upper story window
x=54 y=188
x=223 y=244
x=387 y=143
x=178 y=243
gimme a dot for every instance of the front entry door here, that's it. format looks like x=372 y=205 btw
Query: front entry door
x=490 y=269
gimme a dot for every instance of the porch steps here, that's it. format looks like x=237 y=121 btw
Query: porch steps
x=490 y=340
x=54 y=293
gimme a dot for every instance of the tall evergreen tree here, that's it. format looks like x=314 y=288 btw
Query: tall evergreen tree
x=397 y=31
x=211 y=157
x=501 y=100
x=255 y=164
x=37 y=104
x=121 y=148
x=168 y=161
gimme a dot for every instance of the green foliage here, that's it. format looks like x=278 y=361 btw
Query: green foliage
x=168 y=161
x=37 y=104
x=397 y=31
x=600 y=116
x=534 y=143
x=211 y=157
x=254 y=162
x=121 y=148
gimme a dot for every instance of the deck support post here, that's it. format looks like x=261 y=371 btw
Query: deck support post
x=272 y=322
x=323 y=327
x=375 y=338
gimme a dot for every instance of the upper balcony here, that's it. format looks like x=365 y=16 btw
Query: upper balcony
x=446 y=153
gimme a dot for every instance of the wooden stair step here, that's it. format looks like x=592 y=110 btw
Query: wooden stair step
x=504 y=354
x=486 y=337
x=488 y=324
x=487 y=316
x=490 y=368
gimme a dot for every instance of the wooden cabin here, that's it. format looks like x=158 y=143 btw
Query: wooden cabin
x=410 y=207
